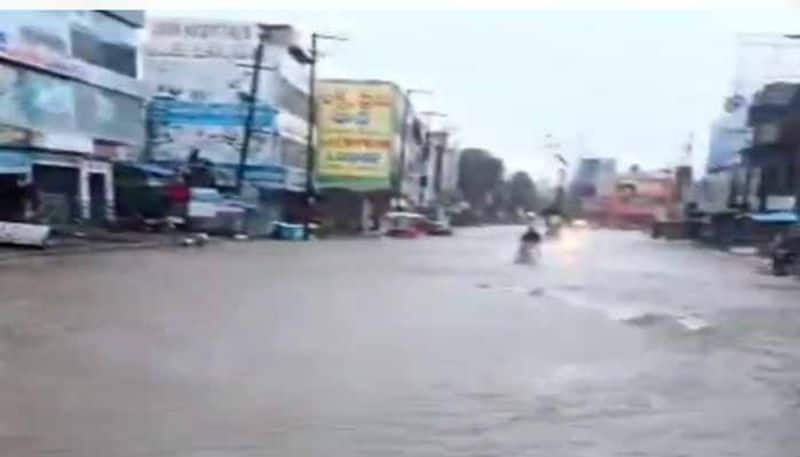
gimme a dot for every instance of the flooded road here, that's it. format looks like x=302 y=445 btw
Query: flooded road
x=614 y=345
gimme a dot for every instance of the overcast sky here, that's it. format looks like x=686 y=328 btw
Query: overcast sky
x=632 y=85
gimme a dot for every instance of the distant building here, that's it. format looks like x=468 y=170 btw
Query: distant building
x=71 y=103
x=592 y=186
x=434 y=156
x=449 y=170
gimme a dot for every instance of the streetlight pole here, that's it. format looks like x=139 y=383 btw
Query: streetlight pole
x=403 y=134
x=312 y=119
x=251 y=108
x=553 y=145
x=311 y=60
x=562 y=177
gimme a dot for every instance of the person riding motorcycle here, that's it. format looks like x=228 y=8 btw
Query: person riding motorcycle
x=529 y=245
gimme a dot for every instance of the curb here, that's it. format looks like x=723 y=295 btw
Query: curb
x=83 y=250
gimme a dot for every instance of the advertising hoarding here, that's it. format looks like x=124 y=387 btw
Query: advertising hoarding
x=217 y=131
x=355 y=134
x=48 y=104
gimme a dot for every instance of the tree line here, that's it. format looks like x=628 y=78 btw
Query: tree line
x=490 y=195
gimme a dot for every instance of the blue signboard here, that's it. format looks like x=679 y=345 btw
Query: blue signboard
x=169 y=112
x=216 y=131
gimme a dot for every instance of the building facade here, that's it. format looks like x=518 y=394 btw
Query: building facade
x=71 y=104
x=448 y=173
x=371 y=152
x=773 y=160
x=436 y=159
x=417 y=154
x=199 y=74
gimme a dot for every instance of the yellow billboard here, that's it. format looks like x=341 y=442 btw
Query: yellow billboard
x=355 y=127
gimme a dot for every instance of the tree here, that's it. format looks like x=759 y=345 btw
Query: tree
x=479 y=174
x=522 y=192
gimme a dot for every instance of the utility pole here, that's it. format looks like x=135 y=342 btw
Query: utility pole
x=312 y=119
x=310 y=59
x=555 y=146
x=251 y=108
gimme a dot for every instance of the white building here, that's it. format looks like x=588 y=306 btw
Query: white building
x=70 y=104
x=200 y=73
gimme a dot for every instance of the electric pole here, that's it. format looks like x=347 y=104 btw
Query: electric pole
x=251 y=108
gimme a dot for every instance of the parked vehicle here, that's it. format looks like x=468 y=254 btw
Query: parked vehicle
x=400 y=224
x=149 y=196
x=435 y=221
x=438 y=227
x=209 y=211
x=785 y=254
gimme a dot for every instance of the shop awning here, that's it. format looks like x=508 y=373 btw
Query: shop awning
x=15 y=163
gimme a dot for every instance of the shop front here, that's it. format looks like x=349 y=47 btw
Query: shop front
x=69 y=132
x=15 y=178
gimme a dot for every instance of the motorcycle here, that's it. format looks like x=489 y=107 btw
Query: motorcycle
x=785 y=253
x=528 y=253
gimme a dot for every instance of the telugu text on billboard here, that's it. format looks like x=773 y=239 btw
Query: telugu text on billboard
x=355 y=134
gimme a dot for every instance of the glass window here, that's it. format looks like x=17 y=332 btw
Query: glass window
x=44 y=102
x=293 y=153
x=104 y=41
x=293 y=99
x=86 y=47
x=47 y=101
x=120 y=58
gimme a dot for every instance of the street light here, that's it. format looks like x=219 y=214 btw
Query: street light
x=403 y=134
x=555 y=146
x=310 y=58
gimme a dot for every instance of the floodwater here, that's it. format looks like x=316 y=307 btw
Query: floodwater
x=613 y=345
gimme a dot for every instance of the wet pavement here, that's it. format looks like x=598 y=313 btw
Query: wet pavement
x=613 y=345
